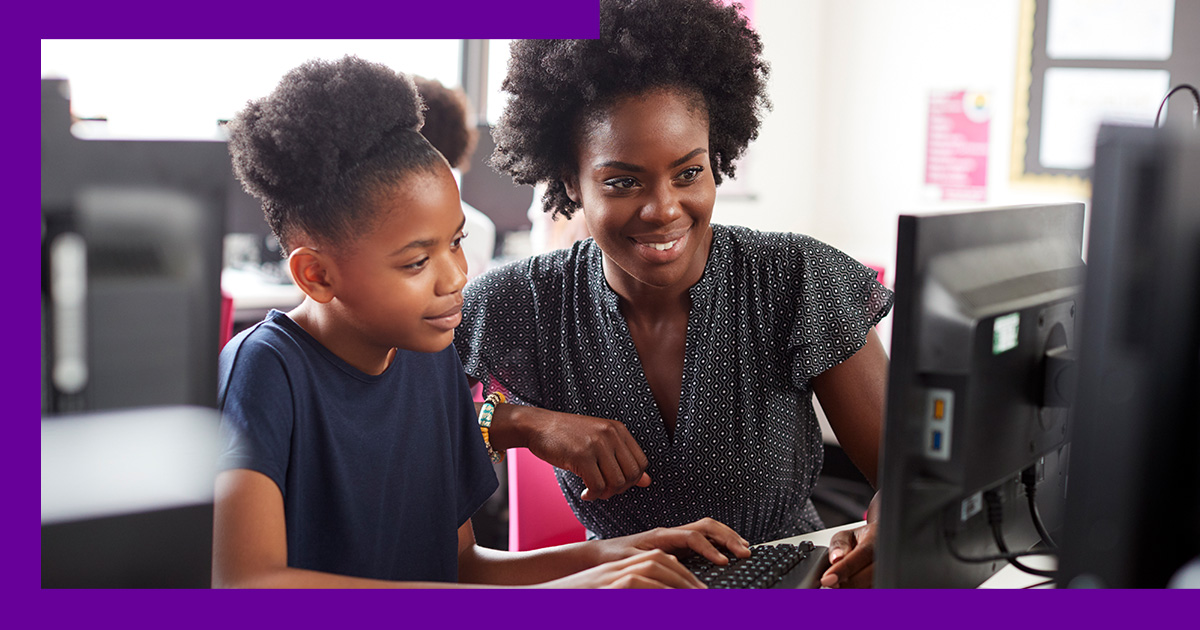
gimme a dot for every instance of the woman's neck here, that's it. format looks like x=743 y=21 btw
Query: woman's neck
x=644 y=301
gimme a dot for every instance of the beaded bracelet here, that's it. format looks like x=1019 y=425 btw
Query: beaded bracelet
x=485 y=423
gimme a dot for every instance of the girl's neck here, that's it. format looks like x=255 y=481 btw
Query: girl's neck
x=321 y=322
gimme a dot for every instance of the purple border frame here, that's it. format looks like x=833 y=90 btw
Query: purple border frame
x=179 y=609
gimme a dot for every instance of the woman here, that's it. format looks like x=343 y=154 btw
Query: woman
x=667 y=365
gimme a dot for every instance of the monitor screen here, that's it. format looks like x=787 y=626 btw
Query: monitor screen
x=978 y=390
x=1133 y=514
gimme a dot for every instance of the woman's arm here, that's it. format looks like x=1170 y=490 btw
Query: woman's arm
x=600 y=451
x=854 y=396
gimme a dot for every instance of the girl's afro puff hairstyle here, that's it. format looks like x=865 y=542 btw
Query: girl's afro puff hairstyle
x=697 y=45
x=329 y=137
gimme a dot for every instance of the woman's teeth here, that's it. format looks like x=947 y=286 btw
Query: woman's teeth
x=662 y=247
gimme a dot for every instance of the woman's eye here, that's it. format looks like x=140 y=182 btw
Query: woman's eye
x=691 y=173
x=457 y=242
x=621 y=183
x=417 y=265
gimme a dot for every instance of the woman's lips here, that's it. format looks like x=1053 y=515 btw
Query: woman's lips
x=664 y=249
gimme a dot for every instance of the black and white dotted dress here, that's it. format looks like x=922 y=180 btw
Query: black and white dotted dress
x=771 y=311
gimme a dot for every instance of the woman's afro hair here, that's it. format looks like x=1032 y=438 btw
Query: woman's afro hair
x=697 y=45
x=331 y=135
x=446 y=125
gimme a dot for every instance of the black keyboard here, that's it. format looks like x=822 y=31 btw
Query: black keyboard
x=769 y=566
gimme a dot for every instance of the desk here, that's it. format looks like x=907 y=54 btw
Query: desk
x=254 y=293
x=1008 y=577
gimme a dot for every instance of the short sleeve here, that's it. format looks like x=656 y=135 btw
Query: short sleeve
x=838 y=301
x=497 y=340
x=256 y=410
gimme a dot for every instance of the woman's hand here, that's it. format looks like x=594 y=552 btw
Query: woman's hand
x=601 y=452
x=852 y=554
x=701 y=537
x=648 y=569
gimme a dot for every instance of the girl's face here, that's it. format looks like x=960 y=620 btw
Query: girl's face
x=401 y=285
x=646 y=188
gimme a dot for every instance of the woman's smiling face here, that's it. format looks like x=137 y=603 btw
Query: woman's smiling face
x=645 y=182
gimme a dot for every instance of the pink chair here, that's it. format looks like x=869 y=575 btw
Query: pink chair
x=538 y=515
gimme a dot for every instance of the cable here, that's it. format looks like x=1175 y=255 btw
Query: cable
x=1195 y=96
x=1040 y=584
x=949 y=535
x=1029 y=480
x=995 y=517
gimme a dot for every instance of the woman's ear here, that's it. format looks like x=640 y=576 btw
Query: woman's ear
x=571 y=183
x=311 y=271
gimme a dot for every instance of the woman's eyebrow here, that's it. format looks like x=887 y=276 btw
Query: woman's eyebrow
x=690 y=155
x=626 y=166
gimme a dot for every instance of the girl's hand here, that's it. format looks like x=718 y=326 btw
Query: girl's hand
x=701 y=537
x=648 y=569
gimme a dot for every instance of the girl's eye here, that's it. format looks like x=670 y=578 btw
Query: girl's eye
x=457 y=242
x=621 y=183
x=417 y=265
x=691 y=173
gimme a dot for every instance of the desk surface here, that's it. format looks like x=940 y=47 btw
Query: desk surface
x=1008 y=577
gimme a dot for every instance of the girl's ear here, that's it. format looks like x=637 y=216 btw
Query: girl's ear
x=312 y=271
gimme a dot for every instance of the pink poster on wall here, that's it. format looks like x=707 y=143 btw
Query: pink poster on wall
x=957 y=145
x=747 y=9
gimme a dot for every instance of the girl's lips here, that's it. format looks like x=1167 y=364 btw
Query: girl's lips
x=448 y=320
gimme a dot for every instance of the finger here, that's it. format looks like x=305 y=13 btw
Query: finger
x=660 y=566
x=635 y=449
x=630 y=470
x=593 y=480
x=862 y=579
x=635 y=581
x=690 y=538
x=614 y=478
x=643 y=481
x=861 y=557
x=723 y=535
x=841 y=544
x=669 y=571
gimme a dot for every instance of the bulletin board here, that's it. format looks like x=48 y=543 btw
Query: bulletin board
x=1083 y=61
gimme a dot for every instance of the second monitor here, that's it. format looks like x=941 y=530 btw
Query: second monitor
x=978 y=391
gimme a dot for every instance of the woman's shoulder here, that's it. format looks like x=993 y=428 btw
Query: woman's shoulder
x=770 y=247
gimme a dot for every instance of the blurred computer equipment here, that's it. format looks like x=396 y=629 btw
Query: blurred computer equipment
x=979 y=389
x=131 y=242
x=131 y=307
x=1133 y=512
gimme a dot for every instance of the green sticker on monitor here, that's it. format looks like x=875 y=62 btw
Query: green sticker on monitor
x=1004 y=332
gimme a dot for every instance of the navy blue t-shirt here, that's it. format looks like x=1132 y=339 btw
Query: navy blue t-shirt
x=377 y=472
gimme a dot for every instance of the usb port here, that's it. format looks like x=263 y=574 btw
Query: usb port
x=936 y=443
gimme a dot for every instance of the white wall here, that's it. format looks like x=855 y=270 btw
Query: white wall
x=843 y=152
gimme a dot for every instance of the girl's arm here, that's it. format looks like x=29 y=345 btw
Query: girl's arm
x=640 y=559
x=250 y=551
x=250 y=540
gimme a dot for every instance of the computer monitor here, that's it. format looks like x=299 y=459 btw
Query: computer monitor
x=132 y=237
x=1133 y=512
x=978 y=390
